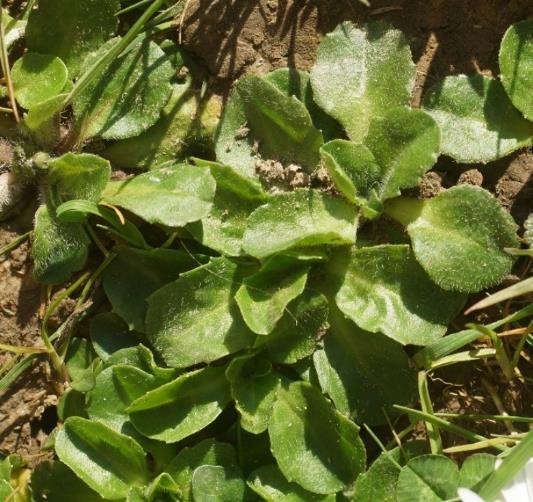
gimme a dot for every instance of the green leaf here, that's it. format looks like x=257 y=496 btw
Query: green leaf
x=475 y=471
x=271 y=485
x=128 y=97
x=362 y=73
x=528 y=231
x=280 y=124
x=352 y=167
x=299 y=330
x=109 y=333
x=236 y=197
x=195 y=319
x=477 y=120
x=80 y=27
x=264 y=296
x=115 y=389
x=459 y=239
x=163 y=488
x=185 y=128
x=77 y=176
x=38 y=77
x=385 y=290
x=58 y=250
x=405 y=143
x=109 y=462
x=299 y=219
x=362 y=372
x=428 y=478
x=207 y=452
x=313 y=444
x=135 y=274
x=172 y=196
x=215 y=482
x=516 y=65
x=55 y=482
x=254 y=388
x=41 y=114
x=180 y=408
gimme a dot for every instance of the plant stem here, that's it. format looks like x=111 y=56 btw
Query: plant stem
x=14 y=243
x=435 y=441
x=4 y=60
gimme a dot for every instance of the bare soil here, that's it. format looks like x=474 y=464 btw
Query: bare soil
x=236 y=37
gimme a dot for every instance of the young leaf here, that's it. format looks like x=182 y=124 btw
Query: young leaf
x=516 y=65
x=80 y=28
x=55 y=482
x=279 y=123
x=428 y=478
x=135 y=274
x=59 y=249
x=459 y=239
x=38 y=77
x=195 y=319
x=39 y=117
x=216 y=482
x=207 y=452
x=236 y=197
x=264 y=296
x=362 y=73
x=254 y=388
x=109 y=462
x=180 y=408
x=299 y=330
x=163 y=488
x=77 y=176
x=299 y=219
x=475 y=471
x=352 y=167
x=185 y=128
x=386 y=290
x=313 y=444
x=128 y=97
x=477 y=120
x=405 y=143
x=271 y=485
x=172 y=196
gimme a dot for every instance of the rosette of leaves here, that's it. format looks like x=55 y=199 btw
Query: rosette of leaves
x=251 y=332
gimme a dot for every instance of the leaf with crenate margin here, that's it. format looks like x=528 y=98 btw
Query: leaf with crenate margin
x=300 y=219
x=264 y=296
x=459 y=238
x=195 y=319
x=314 y=445
x=182 y=407
x=172 y=196
x=478 y=122
x=361 y=73
x=516 y=65
x=385 y=290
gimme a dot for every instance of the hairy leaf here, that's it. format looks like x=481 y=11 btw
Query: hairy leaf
x=477 y=120
x=385 y=290
x=216 y=482
x=195 y=319
x=38 y=77
x=313 y=444
x=362 y=73
x=516 y=65
x=78 y=29
x=172 y=195
x=128 y=97
x=299 y=219
x=109 y=462
x=58 y=250
x=264 y=296
x=180 y=408
x=459 y=239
